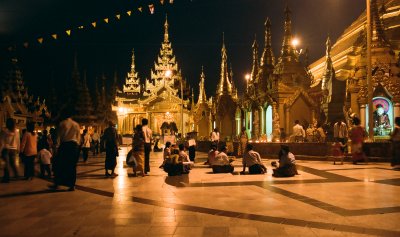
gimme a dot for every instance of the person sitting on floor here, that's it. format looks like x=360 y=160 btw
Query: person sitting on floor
x=184 y=158
x=166 y=154
x=252 y=159
x=171 y=163
x=156 y=148
x=221 y=163
x=211 y=155
x=287 y=163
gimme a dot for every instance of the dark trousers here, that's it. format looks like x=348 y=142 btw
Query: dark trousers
x=85 y=153
x=29 y=169
x=95 y=147
x=64 y=164
x=9 y=160
x=45 y=169
x=147 y=149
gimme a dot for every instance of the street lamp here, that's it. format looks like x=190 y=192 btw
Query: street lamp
x=247 y=77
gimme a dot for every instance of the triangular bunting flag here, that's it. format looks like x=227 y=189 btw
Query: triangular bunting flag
x=40 y=40
x=129 y=13
x=68 y=32
x=94 y=24
x=118 y=16
x=162 y=2
x=106 y=20
x=54 y=36
x=140 y=9
x=151 y=8
x=26 y=44
x=171 y=1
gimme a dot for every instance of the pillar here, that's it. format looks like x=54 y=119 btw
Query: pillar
x=396 y=110
x=363 y=118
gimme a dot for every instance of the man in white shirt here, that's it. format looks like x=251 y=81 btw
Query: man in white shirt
x=64 y=164
x=215 y=136
x=252 y=159
x=340 y=132
x=298 y=132
x=148 y=135
x=221 y=163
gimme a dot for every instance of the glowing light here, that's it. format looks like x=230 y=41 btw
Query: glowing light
x=295 y=42
x=247 y=76
x=168 y=73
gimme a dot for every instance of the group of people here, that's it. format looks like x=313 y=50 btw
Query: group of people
x=314 y=133
x=221 y=163
x=28 y=147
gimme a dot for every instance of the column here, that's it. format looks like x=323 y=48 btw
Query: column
x=363 y=118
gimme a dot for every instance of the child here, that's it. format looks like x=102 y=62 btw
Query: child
x=337 y=152
x=45 y=156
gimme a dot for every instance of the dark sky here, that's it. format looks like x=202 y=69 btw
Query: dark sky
x=195 y=32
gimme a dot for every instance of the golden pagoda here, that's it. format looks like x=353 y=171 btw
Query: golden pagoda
x=163 y=99
x=342 y=73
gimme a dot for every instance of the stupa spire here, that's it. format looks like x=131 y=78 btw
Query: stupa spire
x=287 y=51
x=225 y=86
x=267 y=58
x=202 y=92
x=255 y=67
x=166 y=35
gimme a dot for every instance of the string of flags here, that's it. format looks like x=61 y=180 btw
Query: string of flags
x=150 y=8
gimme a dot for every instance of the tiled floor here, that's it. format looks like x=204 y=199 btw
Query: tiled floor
x=324 y=200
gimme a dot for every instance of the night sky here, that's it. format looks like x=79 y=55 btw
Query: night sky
x=195 y=32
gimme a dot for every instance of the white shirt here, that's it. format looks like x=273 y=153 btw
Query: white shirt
x=215 y=136
x=298 y=131
x=251 y=158
x=86 y=140
x=340 y=130
x=95 y=137
x=9 y=140
x=221 y=159
x=69 y=131
x=147 y=134
x=44 y=156
x=183 y=156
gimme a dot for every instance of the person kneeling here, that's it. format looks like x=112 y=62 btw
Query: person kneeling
x=287 y=163
x=252 y=160
x=222 y=164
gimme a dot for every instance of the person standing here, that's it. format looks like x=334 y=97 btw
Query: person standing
x=138 y=149
x=86 y=140
x=243 y=141
x=111 y=145
x=9 y=147
x=321 y=133
x=340 y=132
x=29 y=150
x=298 y=132
x=148 y=135
x=64 y=162
x=357 y=135
x=395 y=138
x=96 y=142
x=215 y=137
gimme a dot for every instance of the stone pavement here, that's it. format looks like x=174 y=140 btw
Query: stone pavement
x=324 y=200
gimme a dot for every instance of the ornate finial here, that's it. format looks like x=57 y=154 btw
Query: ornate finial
x=267 y=58
x=133 y=62
x=328 y=46
x=202 y=93
x=255 y=45
x=254 y=69
x=166 y=36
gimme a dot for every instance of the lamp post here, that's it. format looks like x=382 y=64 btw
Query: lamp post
x=247 y=77
x=369 y=73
